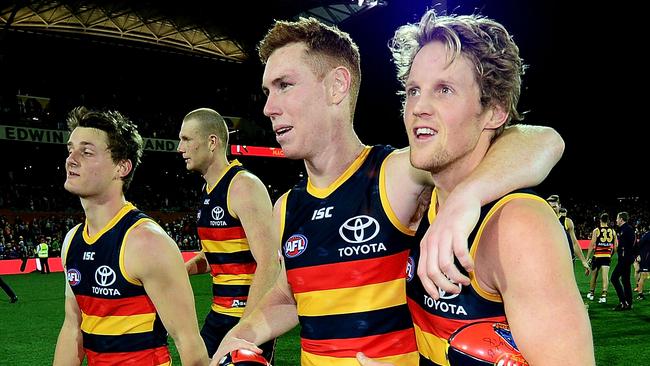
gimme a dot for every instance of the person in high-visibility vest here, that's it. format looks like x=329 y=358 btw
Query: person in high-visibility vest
x=42 y=251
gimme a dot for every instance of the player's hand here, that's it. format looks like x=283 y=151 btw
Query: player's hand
x=365 y=361
x=446 y=237
x=230 y=343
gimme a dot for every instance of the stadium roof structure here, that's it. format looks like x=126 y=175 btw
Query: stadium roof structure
x=226 y=30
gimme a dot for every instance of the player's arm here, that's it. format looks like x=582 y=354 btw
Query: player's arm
x=522 y=156
x=197 y=264
x=523 y=256
x=249 y=202
x=592 y=242
x=153 y=258
x=69 y=345
x=574 y=241
x=274 y=314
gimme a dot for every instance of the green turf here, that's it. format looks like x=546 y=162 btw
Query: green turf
x=29 y=328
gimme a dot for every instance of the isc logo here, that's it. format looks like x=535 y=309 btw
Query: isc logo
x=295 y=245
x=89 y=256
x=322 y=213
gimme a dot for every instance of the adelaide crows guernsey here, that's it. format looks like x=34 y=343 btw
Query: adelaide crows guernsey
x=119 y=322
x=345 y=254
x=226 y=248
x=605 y=242
x=436 y=320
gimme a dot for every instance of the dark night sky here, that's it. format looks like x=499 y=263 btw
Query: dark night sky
x=577 y=82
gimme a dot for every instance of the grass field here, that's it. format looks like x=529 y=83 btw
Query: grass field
x=29 y=328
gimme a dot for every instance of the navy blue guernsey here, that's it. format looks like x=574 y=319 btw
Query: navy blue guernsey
x=226 y=247
x=436 y=320
x=345 y=255
x=119 y=321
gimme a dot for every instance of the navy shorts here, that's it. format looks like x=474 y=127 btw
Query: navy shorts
x=598 y=262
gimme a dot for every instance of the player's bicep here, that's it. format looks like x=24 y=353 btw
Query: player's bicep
x=72 y=311
x=536 y=281
x=153 y=258
x=250 y=201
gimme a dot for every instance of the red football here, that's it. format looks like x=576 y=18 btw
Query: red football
x=243 y=357
x=483 y=343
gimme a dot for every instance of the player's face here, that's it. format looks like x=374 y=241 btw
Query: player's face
x=296 y=102
x=193 y=146
x=555 y=205
x=443 y=115
x=90 y=169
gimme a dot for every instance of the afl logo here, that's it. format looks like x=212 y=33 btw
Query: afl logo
x=105 y=276
x=410 y=269
x=73 y=276
x=295 y=246
x=359 y=229
x=217 y=213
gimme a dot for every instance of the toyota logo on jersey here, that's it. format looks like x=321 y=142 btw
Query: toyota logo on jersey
x=359 y=229
x=295 y=245
x=217 y=213
x=105 y=276
x=445 y=296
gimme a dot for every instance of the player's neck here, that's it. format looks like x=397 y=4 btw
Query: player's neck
x=216 y=170
x=329 y=164
x=99 y=212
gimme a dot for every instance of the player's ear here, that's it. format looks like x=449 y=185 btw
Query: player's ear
x=497 y=117
x=214 y=142
x=338 y=84
x=124 y=167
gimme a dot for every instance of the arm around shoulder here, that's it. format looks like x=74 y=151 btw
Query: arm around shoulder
x=522 y=156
